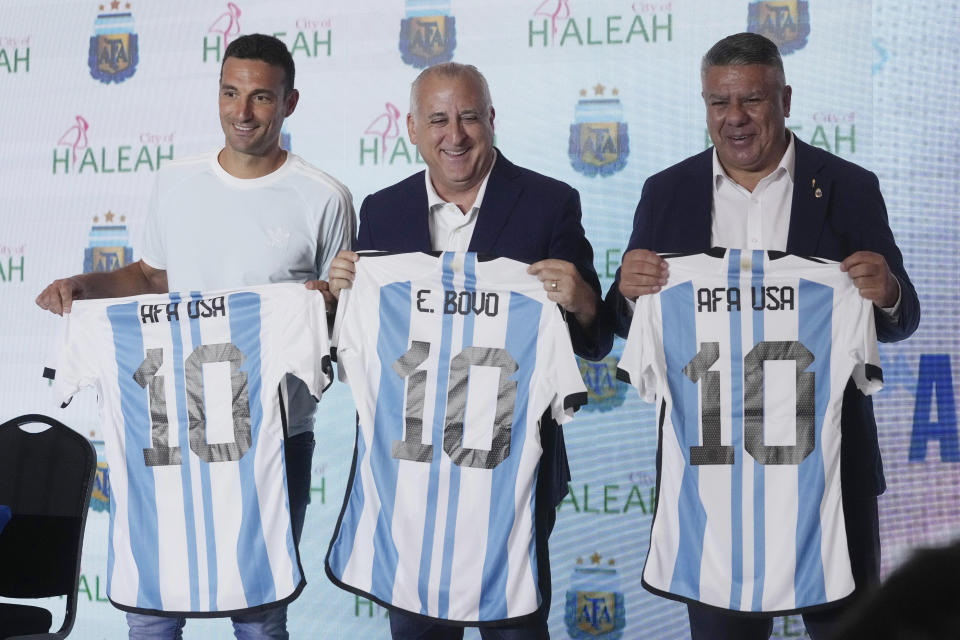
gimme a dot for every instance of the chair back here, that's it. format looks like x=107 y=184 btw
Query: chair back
x=46 y=478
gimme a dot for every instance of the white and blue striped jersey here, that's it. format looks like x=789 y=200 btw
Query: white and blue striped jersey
x=188 y=389
x=747 y=354
x=451 y=366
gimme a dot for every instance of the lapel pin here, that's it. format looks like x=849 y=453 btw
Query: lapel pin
x=813 y=182
x=818 y=193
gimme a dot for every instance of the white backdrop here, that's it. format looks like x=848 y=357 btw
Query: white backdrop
x=875 y=82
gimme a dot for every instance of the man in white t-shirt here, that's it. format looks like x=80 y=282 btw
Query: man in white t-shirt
x=249 y=214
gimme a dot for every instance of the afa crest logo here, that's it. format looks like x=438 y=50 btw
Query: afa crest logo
x=598 y=137
x=428 y=34
x=785 y=22
x=604 y=391
x=109 y=247
x=114 y=50
x=594 y=607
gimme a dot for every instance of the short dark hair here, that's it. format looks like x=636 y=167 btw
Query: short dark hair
x=258 y=46
x=742 y=49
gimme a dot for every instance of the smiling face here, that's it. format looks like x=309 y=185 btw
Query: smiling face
x=746 y=109
x=453 y=130
x=253 y=105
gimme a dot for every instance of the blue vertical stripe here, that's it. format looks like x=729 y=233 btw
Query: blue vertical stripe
x=209 y=524
x=759 y=512
x=523 y=325
x=256 y=576
x=816 y=334
x=346 y=537
x=439 y=419
x=392 y=343
x=736 y=437
x=679 y=347
x=183 y=435
x=453 y=497
x=142 y=520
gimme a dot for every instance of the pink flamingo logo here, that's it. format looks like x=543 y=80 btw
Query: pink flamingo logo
x=75 y=137
x=228 y=23
x=560 y=11
x=386 y=126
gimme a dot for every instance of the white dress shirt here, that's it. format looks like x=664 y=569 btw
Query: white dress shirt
x=760 y=219
x=757 y=220
x=450 y=228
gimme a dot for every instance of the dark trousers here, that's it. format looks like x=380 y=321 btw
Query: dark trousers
x=863 y=543
x=405 y=626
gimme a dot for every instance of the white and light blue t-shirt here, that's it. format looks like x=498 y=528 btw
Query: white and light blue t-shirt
x=452 y=360
x=188 y=387
x=747 y=354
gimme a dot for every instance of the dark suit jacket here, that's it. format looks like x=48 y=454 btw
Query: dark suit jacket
x=524 y=216
x=674 y=215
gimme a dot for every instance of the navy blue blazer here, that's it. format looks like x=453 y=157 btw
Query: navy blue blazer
x=524 y=216
x=674 y=215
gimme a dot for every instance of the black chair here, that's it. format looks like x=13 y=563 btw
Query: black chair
x=46 y=479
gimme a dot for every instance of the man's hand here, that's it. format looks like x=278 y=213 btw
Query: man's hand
x=342 y=271
x=324 y=288
x=59 y=295
x=566 y=287
x=872 y=278
x=643 y=272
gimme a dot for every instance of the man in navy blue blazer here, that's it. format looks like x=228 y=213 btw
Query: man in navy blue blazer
x=759 y=187
x=471 y=198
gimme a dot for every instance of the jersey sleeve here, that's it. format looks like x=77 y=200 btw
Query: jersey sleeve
x=307 y=343
x=570 y=392
x=867 y=373
x=74 y=359
x=341 y=337
x=636 y=364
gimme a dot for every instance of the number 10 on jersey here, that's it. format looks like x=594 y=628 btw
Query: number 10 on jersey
x=712 y=452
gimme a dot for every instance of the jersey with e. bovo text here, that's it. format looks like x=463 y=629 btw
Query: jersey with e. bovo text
x=747 y=354
x=451 y=366
x=188 y=387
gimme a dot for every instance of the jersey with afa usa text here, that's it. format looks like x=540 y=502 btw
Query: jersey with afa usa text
x=747 y=354
x=188 y=388
x=451 y=366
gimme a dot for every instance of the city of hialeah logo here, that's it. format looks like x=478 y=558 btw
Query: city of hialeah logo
x=100 y=498
x=554 y=10
x=594 y=607
x=786 y=22
x=109 y=247
x=604 y=391
x=75 y=138
x=428 y=34
x=114 y=51
x=227 y=24
x=598 y=137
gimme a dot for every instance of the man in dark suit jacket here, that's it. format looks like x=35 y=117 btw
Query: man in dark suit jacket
x=833 y=209
x=472 y=198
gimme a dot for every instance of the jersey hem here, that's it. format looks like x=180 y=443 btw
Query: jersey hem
x=216 y=614
x=749 y=614
x=445 y=621
x=575 y=400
